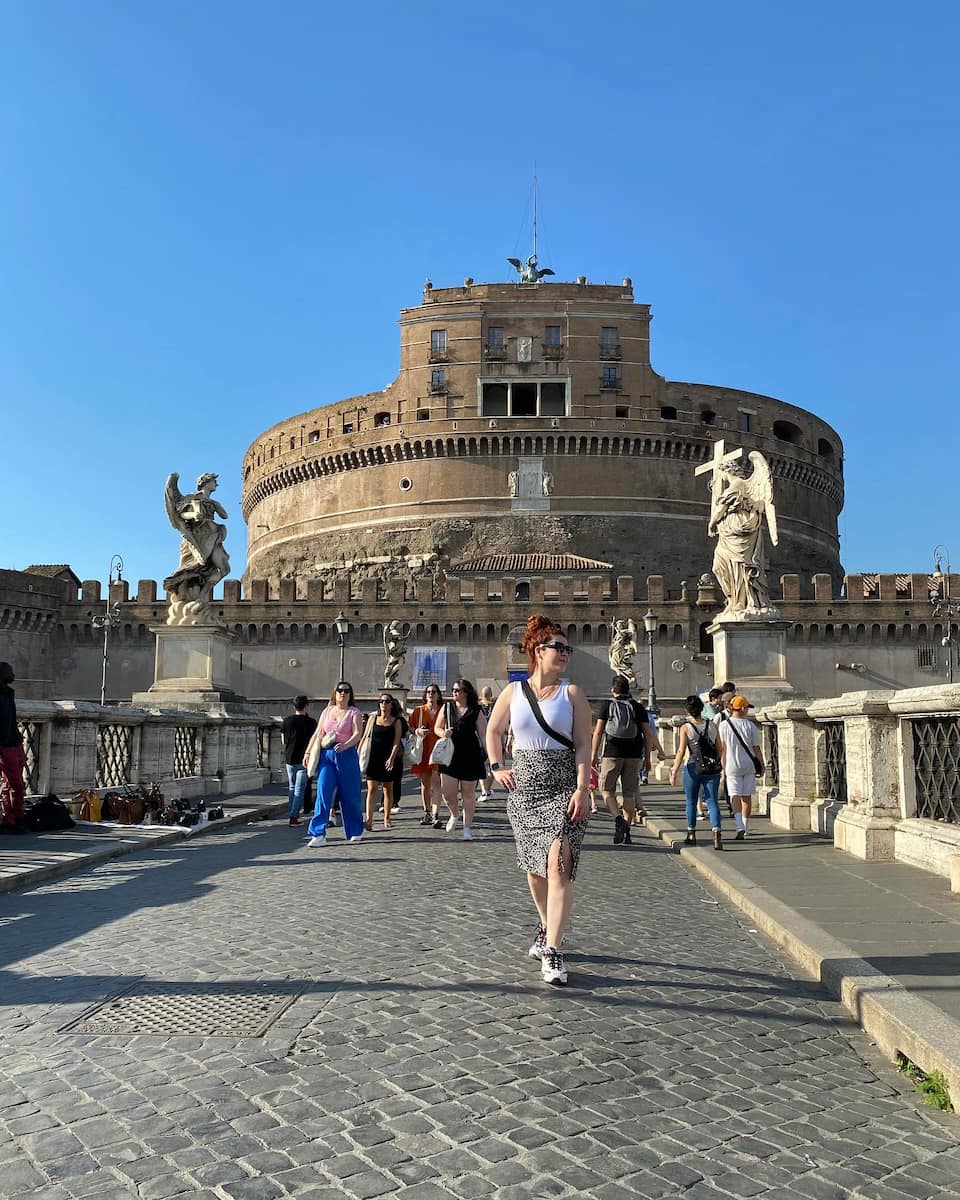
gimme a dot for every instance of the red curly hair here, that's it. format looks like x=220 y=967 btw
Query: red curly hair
x=539 y=629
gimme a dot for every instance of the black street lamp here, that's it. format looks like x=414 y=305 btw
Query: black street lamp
x=109 y=620
x=941 y=603
x=342 y=626
x=650 y=625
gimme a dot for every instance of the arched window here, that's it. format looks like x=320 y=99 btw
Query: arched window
x=786 y=431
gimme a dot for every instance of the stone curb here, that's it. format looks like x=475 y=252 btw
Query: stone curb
x=28 y=878
x=895 y=1018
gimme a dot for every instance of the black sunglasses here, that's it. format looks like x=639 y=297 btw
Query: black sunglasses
x=346 y=689
x=560 y=647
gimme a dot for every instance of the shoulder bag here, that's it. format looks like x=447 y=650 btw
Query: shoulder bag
x=442 y=753
x=757 y=762
x=541 y=720
x=366 y=742
x=418 y=738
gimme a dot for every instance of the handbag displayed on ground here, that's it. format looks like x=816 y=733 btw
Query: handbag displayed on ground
x=704 y=753
x=442 y=753
x=757 y=763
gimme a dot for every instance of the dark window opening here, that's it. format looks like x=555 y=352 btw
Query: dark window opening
x=706 y=639
x=668 y=412
x=622 y=410
x=380 y=419
x=610 y=377
x=494 y=400
x=552 y=336
x=746 y=421
x=348 y=427
x=314 y=436
x=553 y=399
x=708 y=417
x=524 y=400
x=423 y=414
x=495 y=337
x=438 y=379
x=786 y=431
x=825 y=448
x=609 y=337
x=293 y=443
x=523 y=591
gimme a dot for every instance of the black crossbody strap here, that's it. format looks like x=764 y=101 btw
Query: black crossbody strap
x=753 y=757
x=541 y=720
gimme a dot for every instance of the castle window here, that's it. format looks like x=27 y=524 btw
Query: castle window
x=552 y=336
x=825 y=448
x=707 y=416
x=380 y=419
x=293 y=442
x=744 y=421
x=622 y=411
x=438 y=339
x=438 y=380
x=523 y=592
x=926 y=656
x=668 y=413
x=786 y=431
x=523 y=398
x=423 y=414
x=609 y=337
x=610 y=379
x=347 y=426
x=314 y=436
x=495 y=337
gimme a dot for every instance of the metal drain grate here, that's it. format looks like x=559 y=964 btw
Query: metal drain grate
x=221 y=1009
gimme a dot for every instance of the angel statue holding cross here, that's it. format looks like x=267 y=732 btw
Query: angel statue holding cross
x=740 y=500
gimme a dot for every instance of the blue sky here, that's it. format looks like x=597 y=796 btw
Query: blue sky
x=210 y=216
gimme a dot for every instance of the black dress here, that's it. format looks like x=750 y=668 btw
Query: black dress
x=398 y=761
x=467 y=763
x=381 y=743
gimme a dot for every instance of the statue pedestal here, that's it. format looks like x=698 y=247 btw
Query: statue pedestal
x=752 y=651
x=192 y=669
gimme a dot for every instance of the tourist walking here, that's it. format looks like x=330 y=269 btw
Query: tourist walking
x=622 y=743
x=339 y=729
x=486 y=707
x=296 y=732
x=384 y=731
x=742 y=760
x=422 y=720
x=398 y=763
x=461 y=720
x=548 y=784
x=13 y=760
x=701 y=773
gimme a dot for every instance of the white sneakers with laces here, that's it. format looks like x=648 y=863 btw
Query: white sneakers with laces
x=317 y=841
x=552 y=966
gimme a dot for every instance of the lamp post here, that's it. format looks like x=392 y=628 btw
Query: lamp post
x=941 y=603
x=342 y=626
x=109 y=620
x=650 y=625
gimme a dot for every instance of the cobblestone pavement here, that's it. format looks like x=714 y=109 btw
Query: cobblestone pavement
x=421 y=1054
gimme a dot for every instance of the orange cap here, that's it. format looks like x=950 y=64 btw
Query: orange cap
x=740 y=702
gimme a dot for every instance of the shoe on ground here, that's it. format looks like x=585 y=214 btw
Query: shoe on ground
x=451 y=824
x=358 y=838
x=467 y=833
x=294 y=820
x=426 y=819
x=333 y=822
x=437 y=823
x=317 y=841
x=620 y=831
x=539 y=944
x=627 y=840
x=741 y=835
x=552 y=967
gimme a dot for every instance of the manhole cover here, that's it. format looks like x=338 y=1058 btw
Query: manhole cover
x=220 y=1009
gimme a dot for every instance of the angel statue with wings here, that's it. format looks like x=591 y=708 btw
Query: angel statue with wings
x=395 y=651
x=623 y=649
x=203 y=559
x=529 y=272
x=741 y=498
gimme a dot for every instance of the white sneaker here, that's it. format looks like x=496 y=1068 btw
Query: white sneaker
x=317 y=841
x=358 y=838
x=539 y=945
x=552 y=966
x=451 y=824
x=483 y=797
x=467 y=833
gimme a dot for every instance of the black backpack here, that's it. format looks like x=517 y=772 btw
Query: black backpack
x=705 y=755
x=48 y=814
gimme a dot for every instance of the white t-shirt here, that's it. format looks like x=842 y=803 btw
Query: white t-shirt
x=527 y=731
x=737 y=760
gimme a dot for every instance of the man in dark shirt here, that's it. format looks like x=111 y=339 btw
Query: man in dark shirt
x=622 y=755
x=297 y=732
x=13 y=761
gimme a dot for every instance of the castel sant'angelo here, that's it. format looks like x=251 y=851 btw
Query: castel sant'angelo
x=527 y=420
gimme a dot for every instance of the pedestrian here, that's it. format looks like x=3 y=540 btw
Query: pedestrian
x=296 y=732
x=723 y=715
x=339 y=729
x=13 y=760
x=384 y=731
x=401 y=716
x=461 y=720
x=486 y=707
x=548 y=784
x=742 y=760
x=702 y=771
x=422 y=720
x=622 y=741
x=646 y=765
x=712 y=706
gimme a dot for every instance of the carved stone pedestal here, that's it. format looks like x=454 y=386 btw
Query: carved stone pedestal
x=192 y=670
x=752 y=651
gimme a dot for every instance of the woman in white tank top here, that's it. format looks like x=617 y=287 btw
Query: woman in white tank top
x=548 y=785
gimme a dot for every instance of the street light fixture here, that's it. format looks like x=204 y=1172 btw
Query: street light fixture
x=650 y=625
x=941 y=603
x=342 y=626
x=109 y=620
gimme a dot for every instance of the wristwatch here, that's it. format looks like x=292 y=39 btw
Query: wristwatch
x=496 y=766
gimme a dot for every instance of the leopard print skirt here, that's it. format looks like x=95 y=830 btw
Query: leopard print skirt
x=537 y=808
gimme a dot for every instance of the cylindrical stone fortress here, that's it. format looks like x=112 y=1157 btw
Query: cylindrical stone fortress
x=527 y=419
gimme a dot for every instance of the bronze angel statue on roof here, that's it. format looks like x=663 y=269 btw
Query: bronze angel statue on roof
x=742 y=498
x=203 y=559
x=529 y=272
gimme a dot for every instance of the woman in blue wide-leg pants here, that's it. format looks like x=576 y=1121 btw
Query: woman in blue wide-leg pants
x=339 y=773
